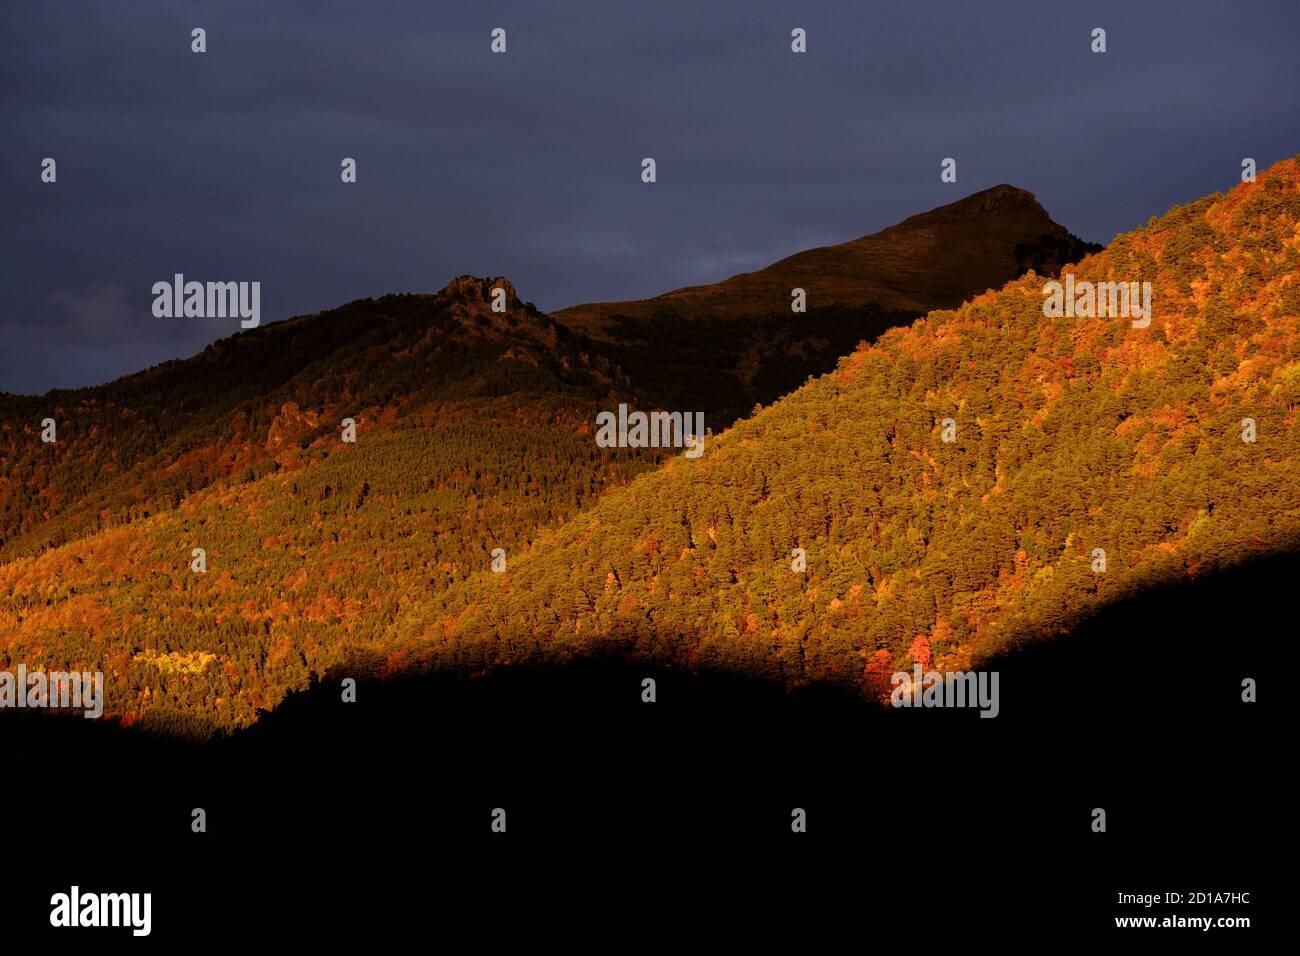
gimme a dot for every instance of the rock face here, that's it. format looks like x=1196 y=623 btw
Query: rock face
x=286 y=429
x=251 y=402
x=471 y=290
x=934 y=260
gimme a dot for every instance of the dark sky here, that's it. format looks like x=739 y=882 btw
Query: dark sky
x=225 y=165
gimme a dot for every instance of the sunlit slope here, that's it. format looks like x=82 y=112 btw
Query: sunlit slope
x=1074 y=436
x=302 y=568
x=473 y=434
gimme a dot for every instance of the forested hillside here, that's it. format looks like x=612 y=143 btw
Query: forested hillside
x=475 y=432
x=1073 y=437
x=472 y=432
x=301 y=568
x=272 y=398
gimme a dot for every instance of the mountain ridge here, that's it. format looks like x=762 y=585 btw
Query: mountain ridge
x=993 y=235
x=142 y=442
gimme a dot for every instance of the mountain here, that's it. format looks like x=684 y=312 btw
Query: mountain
x=723 y=348
x=273 y=398
x=1091 y=460
x=474 y=433
x=933 y=260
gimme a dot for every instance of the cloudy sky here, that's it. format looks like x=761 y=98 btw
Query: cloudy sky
x=225 y=165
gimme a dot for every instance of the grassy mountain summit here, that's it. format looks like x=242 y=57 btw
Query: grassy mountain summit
x=726 y=347
x=1091 y=460
x=932 y=260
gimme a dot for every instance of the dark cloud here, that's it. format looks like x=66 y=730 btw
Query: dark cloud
x=97 y=316
x=226 y=165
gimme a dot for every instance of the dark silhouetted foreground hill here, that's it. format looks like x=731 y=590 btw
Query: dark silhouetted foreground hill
x=1141 y=715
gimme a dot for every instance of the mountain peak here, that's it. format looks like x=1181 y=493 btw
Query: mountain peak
x=1001 y=196
x=473 y=289
x=997 y=201
x=932 y=260
x=1006 y=190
